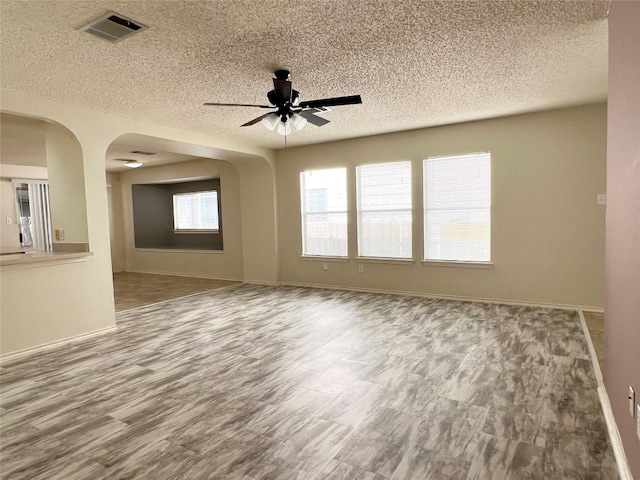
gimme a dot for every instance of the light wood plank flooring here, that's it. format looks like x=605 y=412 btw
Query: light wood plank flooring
x=595 y=324
x=136 y=289
x=265 y=383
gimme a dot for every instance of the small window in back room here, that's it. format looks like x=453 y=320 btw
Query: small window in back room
x=196 y=212
x=457 y=208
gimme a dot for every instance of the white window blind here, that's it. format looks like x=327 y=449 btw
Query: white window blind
x=324 y=212
x=457 y=208
x=384 y=210
x=196 y=211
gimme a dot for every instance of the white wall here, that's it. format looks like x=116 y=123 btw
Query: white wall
x=547 y=231
x=226 y=264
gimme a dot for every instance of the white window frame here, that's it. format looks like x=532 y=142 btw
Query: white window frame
x=195 y=230
x=360 y=210
x=427 y=210
x=304 y=214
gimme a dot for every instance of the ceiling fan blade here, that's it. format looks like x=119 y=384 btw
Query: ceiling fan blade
x=238 y=105
x=255 y=120
x=332 y=102
x=283 y=89
x=313 y=119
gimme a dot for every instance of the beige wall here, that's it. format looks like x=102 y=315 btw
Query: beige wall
x=66 y=184
x=547 y=231
x=9 y=233
x=77 y=298
x=622 y=305
x=52 y=302
x=116 y=222
x=214 y=264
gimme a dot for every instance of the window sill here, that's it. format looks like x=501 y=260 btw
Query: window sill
x=26 y=260
x=391 y=261
x=456 y=264
x=319 y=258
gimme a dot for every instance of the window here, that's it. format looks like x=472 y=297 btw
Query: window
x=457 y=208
x=34 y=214
x=178 y=215
x=384 y=210
x=196 y=211
x=324 y=212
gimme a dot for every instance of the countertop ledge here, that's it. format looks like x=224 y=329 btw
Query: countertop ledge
x=22 y=260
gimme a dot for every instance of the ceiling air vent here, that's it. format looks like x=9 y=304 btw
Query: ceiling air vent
x=113 y=27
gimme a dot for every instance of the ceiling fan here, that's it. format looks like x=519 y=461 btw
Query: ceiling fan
x=289 y=109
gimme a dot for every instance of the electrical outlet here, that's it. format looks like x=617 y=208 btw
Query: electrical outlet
x=361 y=268
x=601 y=199
x=9 y=220
x=325 y=266
x=632 y=402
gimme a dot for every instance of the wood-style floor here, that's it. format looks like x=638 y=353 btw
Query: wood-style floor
x=595 y=324
x=136 y=289
x=254 y=383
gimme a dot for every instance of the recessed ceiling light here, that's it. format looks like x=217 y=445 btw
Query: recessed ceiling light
x=133 y=164
x=142 y=152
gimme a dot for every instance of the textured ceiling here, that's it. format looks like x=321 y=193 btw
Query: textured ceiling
x=416 y=63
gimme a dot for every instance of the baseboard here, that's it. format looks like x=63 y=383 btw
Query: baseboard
x=208 y=277
x=612 y=426
x=456 y=298
x=592 y=309
x=58 y=343
x=260 y=282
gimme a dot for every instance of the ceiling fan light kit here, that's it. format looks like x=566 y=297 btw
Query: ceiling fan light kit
x=132 y=164
x=271 y=121
x=291 y=114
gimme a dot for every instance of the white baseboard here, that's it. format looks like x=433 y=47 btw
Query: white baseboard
x=260 y=282
x=443 y=297
x=48 y=346
x=612 y=426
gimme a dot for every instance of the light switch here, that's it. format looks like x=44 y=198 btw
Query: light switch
x=325 y=266
x=9 y=220
x=601 y=199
